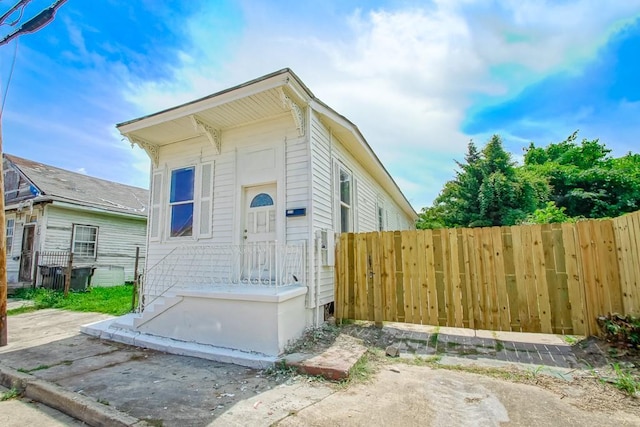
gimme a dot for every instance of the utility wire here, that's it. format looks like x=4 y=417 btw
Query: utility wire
x=6 y=89
x=22 y=4
x=35 y=23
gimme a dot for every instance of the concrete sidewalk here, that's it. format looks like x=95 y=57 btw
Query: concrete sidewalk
x=108 y=383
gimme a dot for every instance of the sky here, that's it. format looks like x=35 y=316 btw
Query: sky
x=420 y=79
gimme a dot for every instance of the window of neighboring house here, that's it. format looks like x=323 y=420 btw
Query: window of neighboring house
x=380 y=218
x=9 y=243
x=345 y=201
x=85 y=241
x=181 y=201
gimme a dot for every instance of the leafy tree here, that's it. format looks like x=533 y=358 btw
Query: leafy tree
x=547 y=215
x=559 y=182
x=584 y=179
x=487 y=190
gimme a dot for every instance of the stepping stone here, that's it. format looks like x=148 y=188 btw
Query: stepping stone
x=333 y=363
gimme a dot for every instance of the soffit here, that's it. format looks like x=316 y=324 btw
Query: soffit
x=234 y=113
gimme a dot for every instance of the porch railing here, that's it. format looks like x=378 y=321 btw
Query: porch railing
x=263 y=264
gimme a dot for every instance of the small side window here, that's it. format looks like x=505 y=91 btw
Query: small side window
x=9 y=242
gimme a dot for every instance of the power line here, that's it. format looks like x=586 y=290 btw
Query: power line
x=6 y=89
x=8 y=13
x=35 y=23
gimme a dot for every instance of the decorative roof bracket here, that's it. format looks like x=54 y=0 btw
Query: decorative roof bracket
x=213 y=135
x=152 y=149
x=296 y=111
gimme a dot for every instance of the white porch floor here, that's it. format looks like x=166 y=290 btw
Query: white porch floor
x=120 y=329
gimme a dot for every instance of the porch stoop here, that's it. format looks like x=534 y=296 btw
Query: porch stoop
x=121 y=329
x=154 y=309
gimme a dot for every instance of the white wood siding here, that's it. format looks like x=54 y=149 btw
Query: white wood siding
x=226 y=212
x=297 y=188
x=322 y=199
x=367 y=196
x=117 y=237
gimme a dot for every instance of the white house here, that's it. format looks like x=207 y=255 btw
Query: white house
x=49 y=209
x=248 y=188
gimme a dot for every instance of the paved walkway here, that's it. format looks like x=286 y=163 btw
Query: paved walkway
x=481 y=346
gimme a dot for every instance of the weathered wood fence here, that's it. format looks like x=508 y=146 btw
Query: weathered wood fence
x=554 y=278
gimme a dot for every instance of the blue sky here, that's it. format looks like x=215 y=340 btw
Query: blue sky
x=419 y=78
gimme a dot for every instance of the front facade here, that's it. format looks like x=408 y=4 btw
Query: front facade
x=249 y=187
x=51 y=211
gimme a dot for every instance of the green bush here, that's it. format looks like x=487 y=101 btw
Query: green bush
x=621 y=331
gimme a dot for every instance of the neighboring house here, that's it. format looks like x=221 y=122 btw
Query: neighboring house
x=249 y=187
x=51 y=209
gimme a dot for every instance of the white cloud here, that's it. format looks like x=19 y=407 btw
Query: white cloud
x=404 y=76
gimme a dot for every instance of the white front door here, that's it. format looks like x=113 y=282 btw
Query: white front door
x=259 y=233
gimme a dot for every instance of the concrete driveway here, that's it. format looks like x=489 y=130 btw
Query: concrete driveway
x=174 y=390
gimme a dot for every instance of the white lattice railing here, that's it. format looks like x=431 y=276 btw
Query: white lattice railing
x=266 y=264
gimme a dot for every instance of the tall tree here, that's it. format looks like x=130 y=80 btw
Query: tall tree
x=487 y=190
x=584 y=179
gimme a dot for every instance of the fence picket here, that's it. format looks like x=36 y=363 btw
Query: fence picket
x=432 y=289
x=376 y=266
x=574 y=286
x=500 y=279
x=422 y=278
x=552 y=278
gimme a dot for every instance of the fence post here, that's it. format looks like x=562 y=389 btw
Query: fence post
x=37 y=269
x=135 y=280
x=67 y=277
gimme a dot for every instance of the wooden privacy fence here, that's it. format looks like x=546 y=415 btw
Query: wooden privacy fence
x=553 y=278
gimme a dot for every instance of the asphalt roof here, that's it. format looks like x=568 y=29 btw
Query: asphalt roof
x=59 y=184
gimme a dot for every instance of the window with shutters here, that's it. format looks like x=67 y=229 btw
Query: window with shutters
x=190 y=203
x=181 y=202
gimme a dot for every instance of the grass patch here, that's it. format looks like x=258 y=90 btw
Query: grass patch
x=625 y=381
x=114 y=300
x=364 y=368
x=570 y=339
x=13 y=393
x=21 y=310
x=433 y=339
x=37 y=368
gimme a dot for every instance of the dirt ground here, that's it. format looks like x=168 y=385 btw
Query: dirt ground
x=172 y=390
x=591 y=389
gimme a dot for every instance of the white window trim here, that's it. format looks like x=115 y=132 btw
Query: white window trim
x=338 y=167
x=203 y=196
x=95 y=243
x=381 y=216
x=9 y=235
x=192 y=201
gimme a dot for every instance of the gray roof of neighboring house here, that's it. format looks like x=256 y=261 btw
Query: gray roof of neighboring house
x=55 y=184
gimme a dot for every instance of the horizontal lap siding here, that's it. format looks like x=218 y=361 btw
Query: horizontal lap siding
x=117 y=237
x=367 y=195
x=297 y=188
x=322 y=203
x=279 y=131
